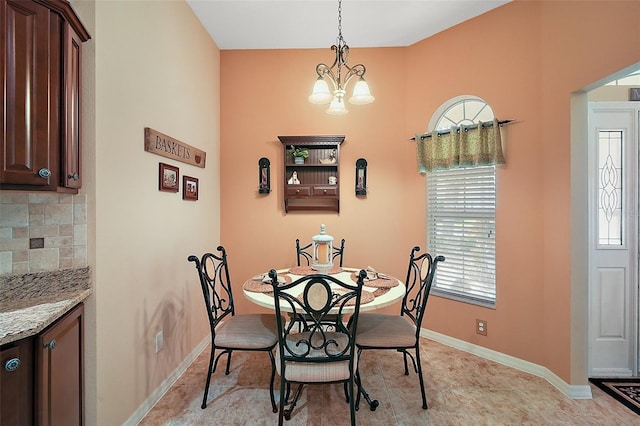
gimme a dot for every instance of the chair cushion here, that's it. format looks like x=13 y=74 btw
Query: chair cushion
x=315 y=372
x=385 y=331
x=249 y=331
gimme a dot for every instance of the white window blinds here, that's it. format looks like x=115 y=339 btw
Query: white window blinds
x=461 y=227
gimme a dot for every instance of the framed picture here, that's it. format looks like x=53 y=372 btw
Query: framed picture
x=169 y=178
x=189 y=188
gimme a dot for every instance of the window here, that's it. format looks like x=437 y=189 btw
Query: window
x=461 y=206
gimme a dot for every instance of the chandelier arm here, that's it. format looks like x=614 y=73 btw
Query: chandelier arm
x=336 y=61
x=323 y=70
x=342 y=55
x=357 y=70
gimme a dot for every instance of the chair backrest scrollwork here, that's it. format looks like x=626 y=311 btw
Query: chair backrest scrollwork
x=314 y=301
x=420 y=275
x=213 y=272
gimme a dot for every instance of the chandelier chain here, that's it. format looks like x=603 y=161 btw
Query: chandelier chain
x=340 y=22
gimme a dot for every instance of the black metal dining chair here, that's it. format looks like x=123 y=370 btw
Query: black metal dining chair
x=401 y=332
x=316 y=355
x=230 y=331
x=305 y=254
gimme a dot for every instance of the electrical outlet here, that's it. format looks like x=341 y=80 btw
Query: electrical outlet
x=481 y=327
x=36 y=243
x=159 y=341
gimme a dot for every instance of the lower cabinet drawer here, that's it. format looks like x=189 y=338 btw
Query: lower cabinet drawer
x=298 y=191
x=319 y=191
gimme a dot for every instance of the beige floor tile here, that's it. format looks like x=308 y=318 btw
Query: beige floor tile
x=461 y=389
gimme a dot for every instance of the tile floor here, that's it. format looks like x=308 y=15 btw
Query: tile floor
x=462 y=389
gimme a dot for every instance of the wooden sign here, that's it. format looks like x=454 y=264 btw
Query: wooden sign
x=166 y=146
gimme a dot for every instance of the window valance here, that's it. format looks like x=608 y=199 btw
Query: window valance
x=465 y=146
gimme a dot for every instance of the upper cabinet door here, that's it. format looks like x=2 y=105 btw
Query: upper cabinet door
x=71 y=112
x=28 y=129
x=40 y=46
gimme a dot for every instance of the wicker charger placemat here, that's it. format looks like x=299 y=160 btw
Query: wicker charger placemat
x=366 y=297
x=380 y=291
x=308 y=270
x=260 y=286
x=378 y=282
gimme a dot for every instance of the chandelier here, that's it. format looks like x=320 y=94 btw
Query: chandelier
x=321 y=94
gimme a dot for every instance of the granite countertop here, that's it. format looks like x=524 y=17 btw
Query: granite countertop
x=30 y=303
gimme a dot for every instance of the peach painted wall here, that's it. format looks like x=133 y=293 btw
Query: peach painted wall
x=263 y=95
x=156 y=67
x=581 y=45
x=525 y=59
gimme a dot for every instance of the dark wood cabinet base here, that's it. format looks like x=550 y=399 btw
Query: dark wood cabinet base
x=47 y=387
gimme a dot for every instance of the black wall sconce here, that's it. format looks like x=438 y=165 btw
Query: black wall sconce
x=264 y=176
x=361 y=176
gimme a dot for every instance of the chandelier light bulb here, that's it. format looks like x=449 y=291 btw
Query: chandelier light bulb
x=337 y=107
x=361 y=94
x=320 y=94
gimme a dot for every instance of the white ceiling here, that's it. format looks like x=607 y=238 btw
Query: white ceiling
x=296 y=24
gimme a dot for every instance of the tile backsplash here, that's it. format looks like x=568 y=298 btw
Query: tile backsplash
x=58 y=219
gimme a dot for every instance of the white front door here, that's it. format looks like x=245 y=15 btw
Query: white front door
x=613 y=239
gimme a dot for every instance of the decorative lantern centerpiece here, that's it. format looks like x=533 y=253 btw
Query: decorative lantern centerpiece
x=322 y=250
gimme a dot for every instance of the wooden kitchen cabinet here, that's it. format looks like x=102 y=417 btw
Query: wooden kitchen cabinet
x=71 y=65
x=319 y=175
x=16 y=383
x=41 y=77
x=46 y=387
x=59 y=398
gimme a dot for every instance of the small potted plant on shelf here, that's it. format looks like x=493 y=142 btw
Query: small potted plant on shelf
x=299 y=154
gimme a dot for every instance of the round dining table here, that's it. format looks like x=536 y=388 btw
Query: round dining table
x=379 y=289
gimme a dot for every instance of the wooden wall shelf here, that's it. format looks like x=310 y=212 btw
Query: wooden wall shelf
x=319 y=187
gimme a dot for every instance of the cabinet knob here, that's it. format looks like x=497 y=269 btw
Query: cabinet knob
x=51 y=345
x=73 y=176
x=44 y=173
x=12 y=364
x=297 y=191
x=325 y=191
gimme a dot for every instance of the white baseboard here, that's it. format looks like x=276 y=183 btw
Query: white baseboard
x=571 y=391
x=155 y=396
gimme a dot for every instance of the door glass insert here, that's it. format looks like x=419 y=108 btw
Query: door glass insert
x=610 y=218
